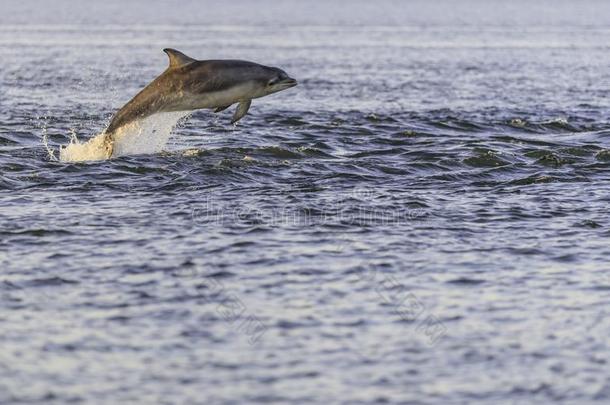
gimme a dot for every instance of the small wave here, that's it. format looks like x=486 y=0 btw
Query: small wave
x=486 y=158
x=50 y=281
x=37 y=232
x=314 y=152
x=466 y=281
x=278 y=152
x=603 y=155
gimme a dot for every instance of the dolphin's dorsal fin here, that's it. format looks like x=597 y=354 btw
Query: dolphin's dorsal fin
x=177 y=58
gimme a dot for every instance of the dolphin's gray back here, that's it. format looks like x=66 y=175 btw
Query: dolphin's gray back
x=218 y=75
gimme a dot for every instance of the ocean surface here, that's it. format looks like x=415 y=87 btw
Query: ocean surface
x=424 y=219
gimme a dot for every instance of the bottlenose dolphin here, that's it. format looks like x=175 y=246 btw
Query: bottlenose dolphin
x=189 y=84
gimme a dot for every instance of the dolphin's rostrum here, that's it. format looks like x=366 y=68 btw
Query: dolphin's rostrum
x=189 y=84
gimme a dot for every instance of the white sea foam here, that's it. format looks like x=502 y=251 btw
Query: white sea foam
x=149 y=135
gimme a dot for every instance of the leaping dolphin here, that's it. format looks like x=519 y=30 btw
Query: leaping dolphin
x=189 y=84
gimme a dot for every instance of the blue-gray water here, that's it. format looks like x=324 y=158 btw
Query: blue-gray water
x=423 y=220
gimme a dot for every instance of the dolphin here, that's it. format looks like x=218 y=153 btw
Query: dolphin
x=189 y=84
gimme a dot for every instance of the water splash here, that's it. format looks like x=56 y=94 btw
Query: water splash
x=45 y=143
x=149 y=135
x=76 y=151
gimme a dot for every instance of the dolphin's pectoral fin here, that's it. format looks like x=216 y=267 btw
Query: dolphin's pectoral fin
x=242 y=109
x=219 y=109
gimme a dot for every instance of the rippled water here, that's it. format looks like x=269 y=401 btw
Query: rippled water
x=424 y=219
